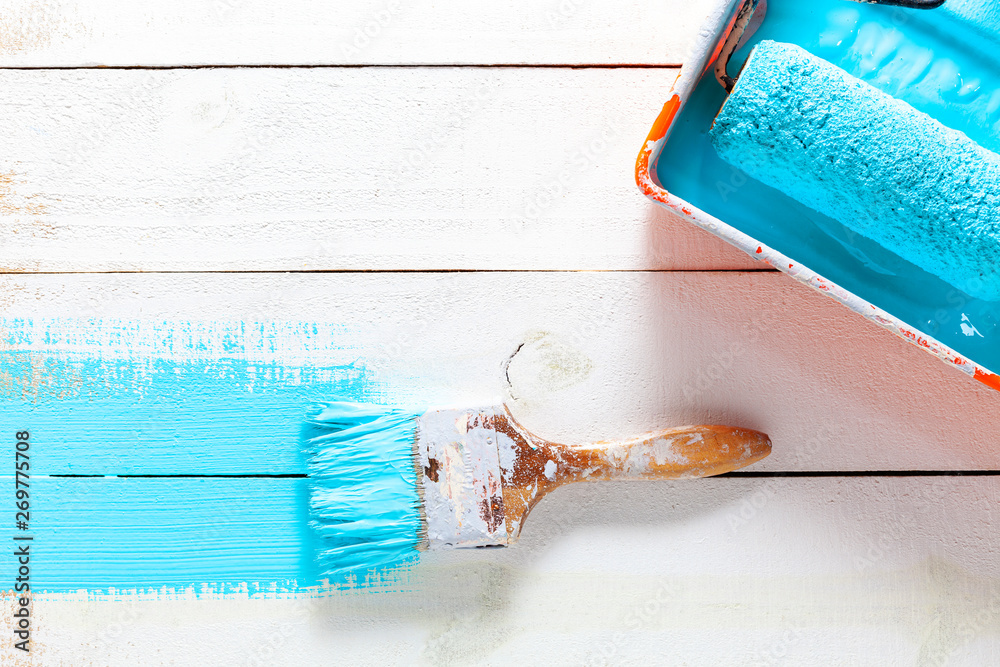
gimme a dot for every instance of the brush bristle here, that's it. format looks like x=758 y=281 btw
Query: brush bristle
x=364 y=501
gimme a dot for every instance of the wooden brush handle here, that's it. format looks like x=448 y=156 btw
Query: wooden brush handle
x=534 y=466
x=688 y=451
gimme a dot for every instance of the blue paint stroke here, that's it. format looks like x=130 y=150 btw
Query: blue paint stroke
x=137 y=398
x=167 y=417
x=220 y=536
x=982 y=16
x=167 y=398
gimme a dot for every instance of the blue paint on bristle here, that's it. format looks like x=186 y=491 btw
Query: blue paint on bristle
x=364 y=501
x=884 y=169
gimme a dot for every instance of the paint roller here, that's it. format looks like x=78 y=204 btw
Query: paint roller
x=879 y=166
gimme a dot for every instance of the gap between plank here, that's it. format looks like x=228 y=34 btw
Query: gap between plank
x=863 y=473
x=764 y=269
x=731 y=475
x=179 y=476
x=361 y=66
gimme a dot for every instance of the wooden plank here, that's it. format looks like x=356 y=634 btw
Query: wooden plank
x=334 y=169
x=577 y=356
x=729 y=571
x=77 y=33
x=235 y=536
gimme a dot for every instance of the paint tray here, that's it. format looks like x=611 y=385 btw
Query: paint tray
x=943 y=61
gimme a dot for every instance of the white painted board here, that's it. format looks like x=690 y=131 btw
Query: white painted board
x=335 y=169
x=593 y=356
x=811 y=572
x=74 y=33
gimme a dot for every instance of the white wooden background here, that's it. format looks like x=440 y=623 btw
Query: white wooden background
x=143 y=175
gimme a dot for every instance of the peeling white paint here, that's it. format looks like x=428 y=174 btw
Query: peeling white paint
x=506 y=453
x=665 y=450
x=466 y=478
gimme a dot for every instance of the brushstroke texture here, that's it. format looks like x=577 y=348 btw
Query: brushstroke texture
x=981 y=15
x=118 y=397
x=210 y=535
x=112 y=397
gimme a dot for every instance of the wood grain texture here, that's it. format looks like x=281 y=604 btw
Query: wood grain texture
x=811 y=572
x=335 y=169
x=73 y=33
x=578 y=357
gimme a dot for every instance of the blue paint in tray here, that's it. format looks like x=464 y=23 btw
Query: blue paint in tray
x=940 y=61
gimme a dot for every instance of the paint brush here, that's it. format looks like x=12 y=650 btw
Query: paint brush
x=386 y=483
